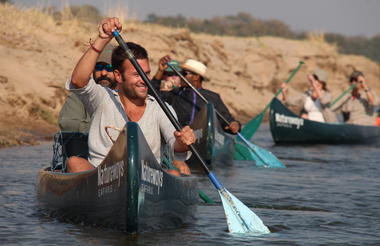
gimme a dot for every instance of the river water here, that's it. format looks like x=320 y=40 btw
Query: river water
x=327 y=195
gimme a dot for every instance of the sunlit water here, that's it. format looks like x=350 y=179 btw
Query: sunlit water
x=327 y=195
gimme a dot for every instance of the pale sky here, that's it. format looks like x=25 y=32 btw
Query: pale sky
x=349 y=17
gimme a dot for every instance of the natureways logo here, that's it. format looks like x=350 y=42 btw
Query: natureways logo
x=288 y=121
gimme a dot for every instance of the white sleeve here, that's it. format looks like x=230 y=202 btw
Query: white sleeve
x=91 y=95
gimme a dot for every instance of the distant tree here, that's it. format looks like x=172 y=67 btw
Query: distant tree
x=244 y=24
x=5 y=1
x=86 y=12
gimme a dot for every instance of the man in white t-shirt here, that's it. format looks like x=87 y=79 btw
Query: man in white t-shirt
x=130 y=103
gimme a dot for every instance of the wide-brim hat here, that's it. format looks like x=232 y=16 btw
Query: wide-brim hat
x=106 y=54
x=322 y=75
x=176 y=66
x=196 y=67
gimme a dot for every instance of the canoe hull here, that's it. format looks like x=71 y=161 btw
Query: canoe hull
x=129 y=191
x=214 y=145
x=286 y=127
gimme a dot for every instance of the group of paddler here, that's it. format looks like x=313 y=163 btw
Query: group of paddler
x=120 y=91
x=356 y=105
x=110 y=107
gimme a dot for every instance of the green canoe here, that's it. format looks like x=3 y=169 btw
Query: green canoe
x=287 y=127
x=129 y=191
x=214 y=145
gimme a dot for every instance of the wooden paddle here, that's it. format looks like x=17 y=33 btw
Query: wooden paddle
x=263 y=157
x=240 y=218
x=251 y=127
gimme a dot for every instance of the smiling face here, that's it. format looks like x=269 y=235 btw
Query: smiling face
x=130 y=82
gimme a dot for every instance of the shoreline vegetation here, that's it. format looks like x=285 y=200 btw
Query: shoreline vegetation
x=40 y=47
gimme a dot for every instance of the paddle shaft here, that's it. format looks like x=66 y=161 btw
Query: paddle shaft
x=252 y=218
x=217 y=112
x=286 y=81
x=206 y=101
x=166 y=110
x=343 y=93
x=196 y=91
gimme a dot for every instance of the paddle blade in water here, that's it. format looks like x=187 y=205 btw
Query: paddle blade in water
x=251 y=127
x=242 y=152
x=251 y=152
x=240 y=218
x=264 y=157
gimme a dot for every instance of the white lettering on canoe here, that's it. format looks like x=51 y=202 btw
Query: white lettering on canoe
x=152 y=176
x=288 y=120
x=219 y=138
x=109 y=174
x=198 y=135
x=107 y=177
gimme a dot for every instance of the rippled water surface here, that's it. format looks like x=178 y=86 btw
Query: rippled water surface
x=327 y=195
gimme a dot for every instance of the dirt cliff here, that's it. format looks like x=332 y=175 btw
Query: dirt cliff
x=38 y=54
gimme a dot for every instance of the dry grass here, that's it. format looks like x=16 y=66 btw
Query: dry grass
x=318 y=39
x=28 y=20
x=23 y=20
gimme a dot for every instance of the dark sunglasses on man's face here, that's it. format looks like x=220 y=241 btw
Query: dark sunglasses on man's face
x=100 y=67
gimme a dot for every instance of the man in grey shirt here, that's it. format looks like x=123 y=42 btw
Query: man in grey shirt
x=110 y=109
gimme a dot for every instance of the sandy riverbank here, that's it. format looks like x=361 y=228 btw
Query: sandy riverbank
x=38 y=54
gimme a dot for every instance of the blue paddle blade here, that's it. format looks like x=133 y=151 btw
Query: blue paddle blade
x=240 y=218
x=250 y=151
x=263 y=157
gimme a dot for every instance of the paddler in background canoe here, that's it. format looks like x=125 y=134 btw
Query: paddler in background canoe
x=185 y=101
x=359 y=106
x=111 y=109
x=315 y=101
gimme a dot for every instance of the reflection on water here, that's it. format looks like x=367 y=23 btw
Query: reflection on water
x=326 y=195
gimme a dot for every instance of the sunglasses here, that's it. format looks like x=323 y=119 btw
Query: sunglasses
x=101 y=67
x=185 y=72
x=169 y=74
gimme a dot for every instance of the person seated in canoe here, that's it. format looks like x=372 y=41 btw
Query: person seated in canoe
x=359 y=106
x=315 y=101
x=185 y=101
x=378 y=118
x=73 y=116
x=131 y=102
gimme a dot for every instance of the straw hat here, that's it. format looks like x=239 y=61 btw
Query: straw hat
x=196 y=67
x=322 y=75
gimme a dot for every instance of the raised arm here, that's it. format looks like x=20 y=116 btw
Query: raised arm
x=161 y=67
x=367 y=90
x=316 y=88
x=86 y=63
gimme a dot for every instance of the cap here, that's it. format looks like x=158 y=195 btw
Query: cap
x=322 y=75
x=175 y=64
x=106 y=54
